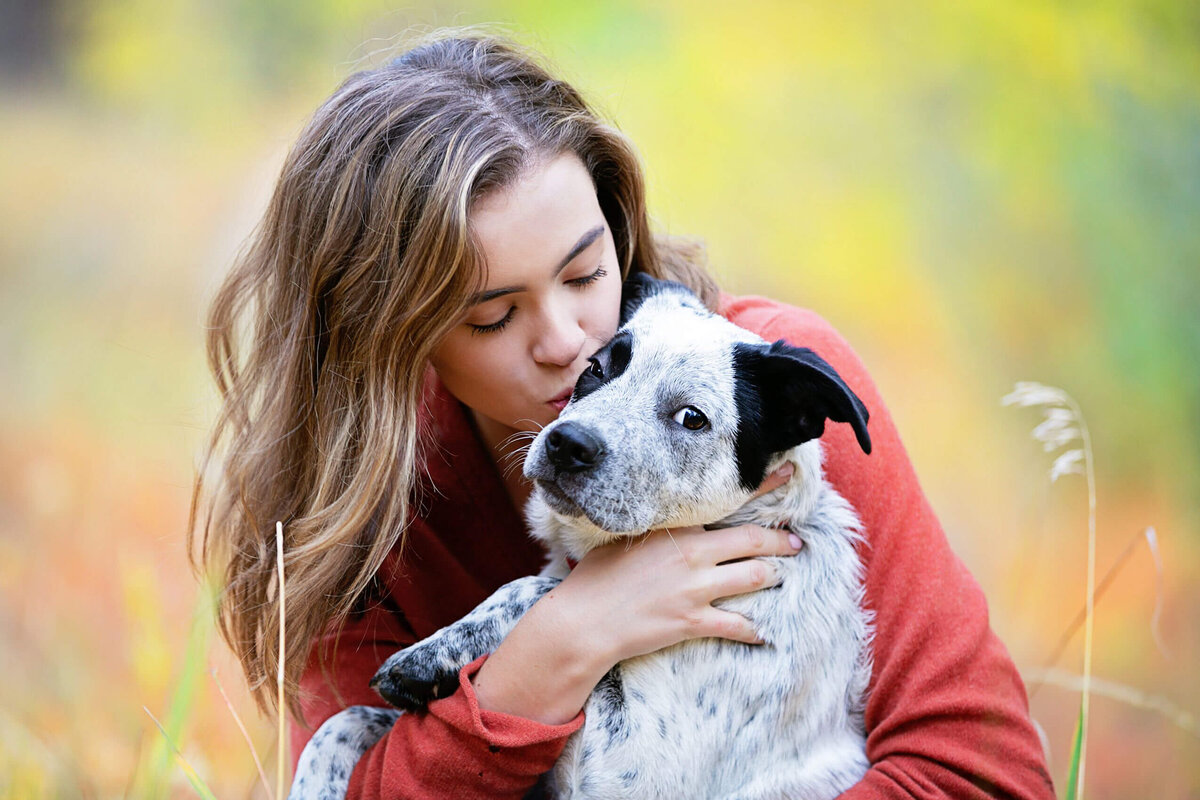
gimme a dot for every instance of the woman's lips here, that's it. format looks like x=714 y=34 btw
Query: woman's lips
x=560 y=402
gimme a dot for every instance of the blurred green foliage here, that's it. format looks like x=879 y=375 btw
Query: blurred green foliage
x=974 y=193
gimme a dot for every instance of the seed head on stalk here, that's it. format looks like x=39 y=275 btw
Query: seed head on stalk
x=1064 y=425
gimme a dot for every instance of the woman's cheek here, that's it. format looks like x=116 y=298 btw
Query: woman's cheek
x=501 y=375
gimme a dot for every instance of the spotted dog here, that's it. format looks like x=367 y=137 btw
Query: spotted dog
x=676 y=422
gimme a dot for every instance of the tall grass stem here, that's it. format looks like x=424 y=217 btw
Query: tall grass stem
x=193 y=777
x=1089 y=624
x=1131 y=696
x=1063 y=425
x=262 y=775
x=1081 y=617
x=282 y=709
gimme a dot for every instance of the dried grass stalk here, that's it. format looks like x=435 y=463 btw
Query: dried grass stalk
x=1064 y=425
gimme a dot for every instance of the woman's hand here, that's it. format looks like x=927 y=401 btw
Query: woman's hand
x=626 y=599
x=639 y=596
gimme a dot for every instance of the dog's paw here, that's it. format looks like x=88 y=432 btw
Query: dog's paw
x=421 y=673
x=411 y=680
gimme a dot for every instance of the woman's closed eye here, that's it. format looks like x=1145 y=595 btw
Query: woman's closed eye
x=500 y=324
x=494 y=326
x=586 y=279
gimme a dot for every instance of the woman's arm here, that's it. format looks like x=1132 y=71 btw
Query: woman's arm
x=947 y=714
x=514 y=711
x=624 y=600
x=456 y=750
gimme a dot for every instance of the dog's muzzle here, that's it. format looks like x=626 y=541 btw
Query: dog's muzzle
x=570 y=447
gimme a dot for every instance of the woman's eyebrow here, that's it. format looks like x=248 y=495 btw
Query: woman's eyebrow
x=584 y=243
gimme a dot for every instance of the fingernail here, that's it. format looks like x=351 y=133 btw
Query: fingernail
x=787 y=470
x=794 y=541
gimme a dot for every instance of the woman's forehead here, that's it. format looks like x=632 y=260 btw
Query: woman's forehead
x=526 y=229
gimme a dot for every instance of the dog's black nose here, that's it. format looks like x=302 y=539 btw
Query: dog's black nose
x=572 y=449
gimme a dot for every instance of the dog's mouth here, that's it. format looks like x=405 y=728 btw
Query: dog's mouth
x=561 y=503
x=559 y=500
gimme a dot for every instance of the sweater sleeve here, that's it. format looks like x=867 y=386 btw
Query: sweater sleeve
x=946 y=715
x=456 y=749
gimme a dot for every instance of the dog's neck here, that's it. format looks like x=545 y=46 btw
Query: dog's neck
x=790 y=504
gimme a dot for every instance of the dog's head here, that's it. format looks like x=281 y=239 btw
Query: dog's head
x=679 y=416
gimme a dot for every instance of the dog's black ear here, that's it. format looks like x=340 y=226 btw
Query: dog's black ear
x=784 y=396
x=639 y=286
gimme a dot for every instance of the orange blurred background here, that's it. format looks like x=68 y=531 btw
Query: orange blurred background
x=974 y=194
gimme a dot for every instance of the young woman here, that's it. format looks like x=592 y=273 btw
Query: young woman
x=443 y=252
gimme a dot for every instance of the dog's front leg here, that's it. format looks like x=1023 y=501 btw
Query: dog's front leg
x=427 y=670
x=410 y=679
x=323 y=772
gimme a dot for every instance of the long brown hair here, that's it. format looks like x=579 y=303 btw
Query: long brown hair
x=321 y=334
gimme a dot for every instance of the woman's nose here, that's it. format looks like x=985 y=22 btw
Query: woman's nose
x=559 y=341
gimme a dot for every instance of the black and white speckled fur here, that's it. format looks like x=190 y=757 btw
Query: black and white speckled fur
x=704 y=718
x=323 y=772
x=711 y=718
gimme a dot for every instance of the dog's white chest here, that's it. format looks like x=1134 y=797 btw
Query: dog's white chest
x=711 y=718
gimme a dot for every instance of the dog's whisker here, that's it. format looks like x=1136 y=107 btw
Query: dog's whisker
x=515 y=435
x=514 y=456
x=518 y=448
x=508 y=471
x=510 y=462
x=516 y=452
x=677 y=548
x=514 y=465
x=514 y=445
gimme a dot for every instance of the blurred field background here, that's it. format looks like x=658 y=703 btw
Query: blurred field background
x=974 y=193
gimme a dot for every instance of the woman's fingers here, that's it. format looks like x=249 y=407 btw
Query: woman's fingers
x=668 y=581
x=705 y=548
x=776 y=479
x=723 y=625
x=741 y=577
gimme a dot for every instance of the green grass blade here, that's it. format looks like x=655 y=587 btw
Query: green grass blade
x=195 y=662
x=1076 y=750
x=193 y=777
x=155 y=783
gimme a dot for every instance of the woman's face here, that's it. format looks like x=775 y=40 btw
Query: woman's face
x=552 y=297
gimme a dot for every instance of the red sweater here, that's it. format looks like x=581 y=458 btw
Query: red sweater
x=946 y=715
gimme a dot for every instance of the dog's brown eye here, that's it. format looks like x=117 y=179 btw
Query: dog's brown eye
x=595 y=370
x=691 y=418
